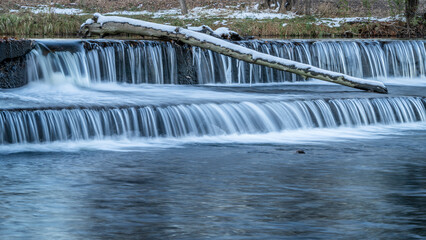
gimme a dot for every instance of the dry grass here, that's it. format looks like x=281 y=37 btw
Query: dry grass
x=43 y=25
x=111 y=5
x=323 y=8
x=51 y=25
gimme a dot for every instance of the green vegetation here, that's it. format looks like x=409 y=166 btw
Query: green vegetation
x=28 y=24
x=40 y=25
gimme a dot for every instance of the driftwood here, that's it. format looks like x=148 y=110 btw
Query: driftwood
x=102 y=25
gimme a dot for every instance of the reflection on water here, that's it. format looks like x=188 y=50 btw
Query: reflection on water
x=225 y=191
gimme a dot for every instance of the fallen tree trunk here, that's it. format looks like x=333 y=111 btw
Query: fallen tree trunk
x=103 y=25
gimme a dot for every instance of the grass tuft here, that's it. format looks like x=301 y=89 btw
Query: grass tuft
x=27 y=24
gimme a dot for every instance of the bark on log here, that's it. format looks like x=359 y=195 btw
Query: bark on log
x=102 y=25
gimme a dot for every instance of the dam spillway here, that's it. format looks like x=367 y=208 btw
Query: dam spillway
x=155 y=62
x=36 y=126
x=70 y=96
x=153 y=112
x=113 y=139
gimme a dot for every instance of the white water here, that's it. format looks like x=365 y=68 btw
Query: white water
x=106 y=61
x=159 y=62
x=91 y=97
x=365 y=59
x=300 y=136
x=206 y=119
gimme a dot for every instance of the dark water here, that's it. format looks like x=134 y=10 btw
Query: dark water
x=337 y=190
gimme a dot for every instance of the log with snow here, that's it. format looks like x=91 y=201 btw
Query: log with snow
x=111 y=25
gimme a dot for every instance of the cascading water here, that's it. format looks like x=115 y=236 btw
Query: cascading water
x=83 y=156
x=150 y=116
x=160 y=62
x=34 y=126
x=365 y=59
x=104 y=61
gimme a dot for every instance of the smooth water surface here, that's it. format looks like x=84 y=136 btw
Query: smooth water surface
x=363 y=189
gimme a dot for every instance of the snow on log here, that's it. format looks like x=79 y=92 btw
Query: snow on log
x=111 y=25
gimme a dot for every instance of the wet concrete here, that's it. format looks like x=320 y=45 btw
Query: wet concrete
x=12 y=62
x=186 y=70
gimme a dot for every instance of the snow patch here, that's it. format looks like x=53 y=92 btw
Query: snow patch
x=129 y=13
x=200 y=28
x=337 y=22
x=158 y=14
x=261 y=15
x=47 y=9
x=88 y=21
x=224 y=32
x=223 y=22
x=229 y=12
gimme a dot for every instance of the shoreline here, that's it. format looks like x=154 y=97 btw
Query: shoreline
x=52 y=25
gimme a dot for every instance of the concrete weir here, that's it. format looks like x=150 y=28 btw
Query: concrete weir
x=12 y=62
x=168 y=62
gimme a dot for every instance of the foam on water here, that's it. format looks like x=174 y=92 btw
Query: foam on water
x=288 y=137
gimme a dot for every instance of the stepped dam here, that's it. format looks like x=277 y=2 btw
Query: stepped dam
x=141 y=139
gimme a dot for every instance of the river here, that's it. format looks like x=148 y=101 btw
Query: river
x=89 y=151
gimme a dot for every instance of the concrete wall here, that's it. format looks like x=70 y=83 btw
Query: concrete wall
x=12 y=62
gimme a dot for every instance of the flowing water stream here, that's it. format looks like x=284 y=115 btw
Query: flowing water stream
x=107 y=141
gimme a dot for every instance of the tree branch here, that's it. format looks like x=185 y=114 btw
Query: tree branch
x=102 y=25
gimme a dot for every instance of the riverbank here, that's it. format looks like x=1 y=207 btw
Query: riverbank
x=43 y=21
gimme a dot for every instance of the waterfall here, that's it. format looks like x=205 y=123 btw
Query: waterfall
x=208 y=119
x=365 y=59
x=159 y=62
x=104 y=61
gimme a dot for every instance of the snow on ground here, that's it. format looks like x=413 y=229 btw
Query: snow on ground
x=262 y=15
x=234 y=13
x=228 y=12
x=337 y=22
x=47 y=9
x=159 y=14
x=223 y=22
x=129 y=13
